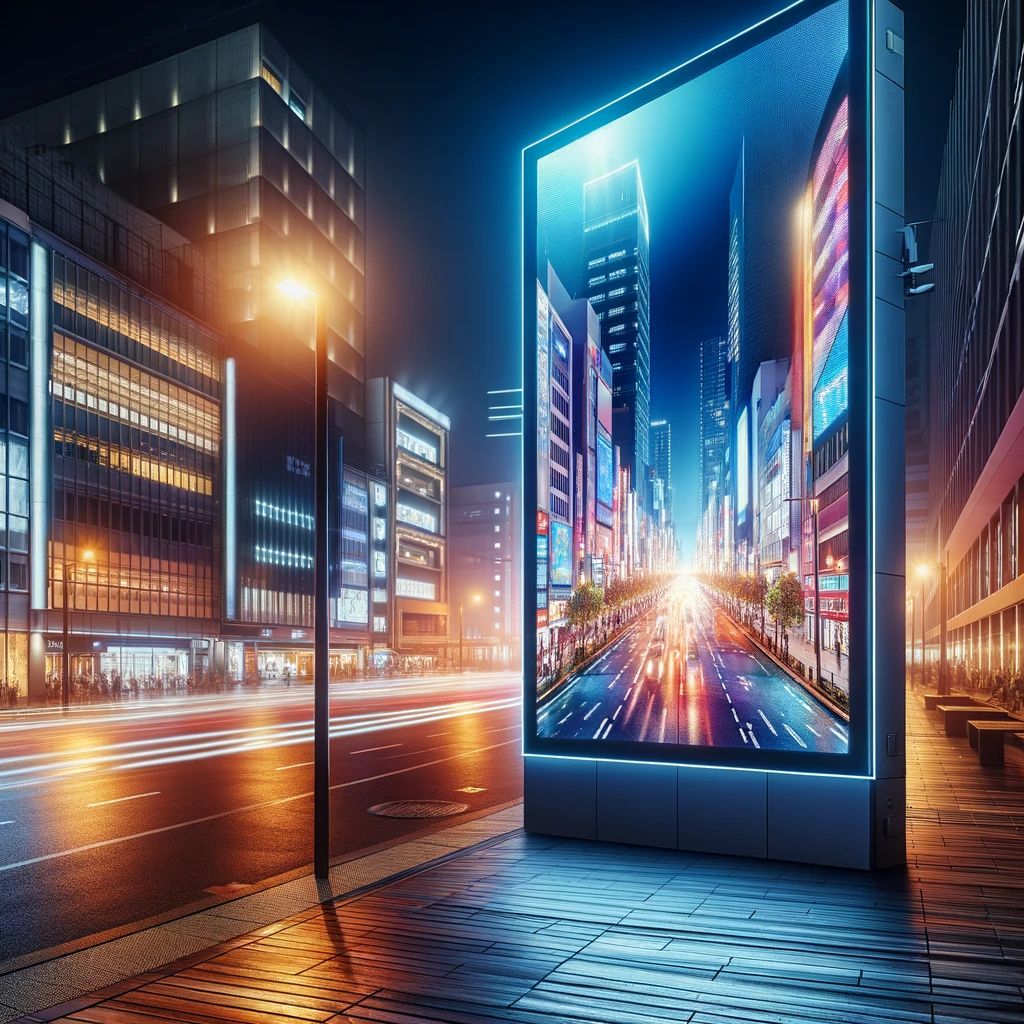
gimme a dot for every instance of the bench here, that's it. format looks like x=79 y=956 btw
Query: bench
x=986 y=737
x=956 y=716
x=933 y=700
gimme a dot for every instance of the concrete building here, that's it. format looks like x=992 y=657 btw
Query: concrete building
x=485 y=554
x=407 y=449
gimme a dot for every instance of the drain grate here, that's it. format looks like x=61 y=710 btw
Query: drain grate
x=417 y=809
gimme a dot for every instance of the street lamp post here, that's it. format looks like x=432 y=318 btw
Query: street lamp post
x=65 y=679
x=321 y=595
x=913 y=614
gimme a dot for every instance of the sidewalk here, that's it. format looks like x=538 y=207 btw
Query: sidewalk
x=539 y=930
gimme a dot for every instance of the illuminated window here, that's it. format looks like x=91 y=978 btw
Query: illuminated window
x=298 y=106
x=380 y=624
x=617 y=311
x=416 y=517
x=415 y=588
x=619 y=346
x=617 y=329
x=270 y=78
x=600 y=279
x=616 y=292
x=596 y=262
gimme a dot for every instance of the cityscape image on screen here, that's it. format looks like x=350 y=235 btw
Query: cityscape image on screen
x=692 y=400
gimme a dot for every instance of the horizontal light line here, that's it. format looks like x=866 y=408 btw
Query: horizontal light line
x=507 y=391
x=518 y=433
x=121 y=799
x=285 y=767
x=370 y=750
x=239 y=810
x=506 y=416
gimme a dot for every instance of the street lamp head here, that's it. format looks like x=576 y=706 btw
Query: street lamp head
x=293 y=289
x=923 y=570
x=88 y=555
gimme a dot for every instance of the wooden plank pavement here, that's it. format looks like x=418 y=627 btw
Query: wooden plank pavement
x=542 y=931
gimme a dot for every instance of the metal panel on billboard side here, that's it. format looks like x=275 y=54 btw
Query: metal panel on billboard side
x=872 y=516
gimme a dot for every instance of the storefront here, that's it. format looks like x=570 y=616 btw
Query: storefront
x=270 y=661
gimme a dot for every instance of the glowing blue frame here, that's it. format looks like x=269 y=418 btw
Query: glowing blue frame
x=860 y=760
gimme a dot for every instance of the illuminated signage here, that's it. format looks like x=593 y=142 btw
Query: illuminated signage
x=755 y=185
x=561 y=555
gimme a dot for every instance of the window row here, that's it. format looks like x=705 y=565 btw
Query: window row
x=142 y=522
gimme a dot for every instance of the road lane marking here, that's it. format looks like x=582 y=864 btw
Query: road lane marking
x=809 y=729
x=591 y=711
x=286 y=767
x=370 y=750
x=617 y=710
x=597 y=735
x=753 y=738
x=766 y=722
x=121 y=799
x=241 y=810
x=734 y=715
x=10 y=822
x=728 y=698
x=628 y=692
x=792 y=732
x=608 y=730
x=432 y=735
x=566 y=719
x=743 y=734
x=836 y=732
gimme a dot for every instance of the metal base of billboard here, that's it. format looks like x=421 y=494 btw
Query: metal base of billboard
x=826 y=820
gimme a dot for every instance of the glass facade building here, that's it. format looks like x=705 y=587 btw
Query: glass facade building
x=975 y=367
x=112 y=435
x=230 y=143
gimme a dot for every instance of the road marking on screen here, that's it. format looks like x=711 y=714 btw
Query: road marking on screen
x=836 y=732
x=792 y=732
x=566 y=719
x=8 y=822
x=810 y=729
x=591 y=711
x=743 y=734
x=121 y=799
x=608 y=730
x=753 y=738
x=617 y=710
x=734 y=715
x=597 y=735
x=286 y=767
x=766 y=722
x=370 y=750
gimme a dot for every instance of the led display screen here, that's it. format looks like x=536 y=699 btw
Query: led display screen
x=561 y=555
x=704 y=224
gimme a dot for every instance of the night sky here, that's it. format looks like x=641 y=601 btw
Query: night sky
x=687 y=144
x=448 y=96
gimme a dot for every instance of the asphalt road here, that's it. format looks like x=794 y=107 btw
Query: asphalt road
x=111 y=814
x=710 y=687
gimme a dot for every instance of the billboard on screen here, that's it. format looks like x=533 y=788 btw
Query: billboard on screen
x=712 y=223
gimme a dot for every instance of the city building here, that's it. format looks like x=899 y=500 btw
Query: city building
x=661 y=460
x=714 y=440
x=828 y=364
x=407 y=450
x=976 y=358
x=769 y=429
x=556 y=468
x=484 y=578
x=227 y=141
x=112 y=440
x=593 y=453
x=616 y=282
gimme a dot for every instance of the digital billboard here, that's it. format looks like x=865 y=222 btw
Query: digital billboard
x=561 y=555
x=704 y=223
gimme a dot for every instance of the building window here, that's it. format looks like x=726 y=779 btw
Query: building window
x=420 y=589
x=415 y=517
x=380 y=624
x=298 y=106
x=272 y=79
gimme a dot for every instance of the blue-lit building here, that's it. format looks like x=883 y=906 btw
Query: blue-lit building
x=617 y=283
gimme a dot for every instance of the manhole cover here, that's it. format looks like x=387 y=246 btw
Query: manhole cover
x=417 y=809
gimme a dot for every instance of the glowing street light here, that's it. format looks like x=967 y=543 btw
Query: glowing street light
x=924 y=570
x=69 y=582
x=321 y=593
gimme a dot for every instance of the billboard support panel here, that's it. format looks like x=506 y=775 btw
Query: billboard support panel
x=729 y=647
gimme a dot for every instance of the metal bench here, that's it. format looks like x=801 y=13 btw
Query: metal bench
x=956 y=716
x=986 y=737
